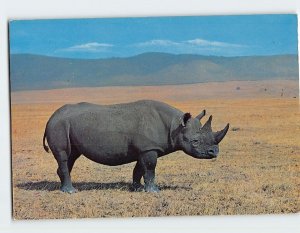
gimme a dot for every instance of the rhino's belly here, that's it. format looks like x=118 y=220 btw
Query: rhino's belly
x=109 y=149
x=111 y=156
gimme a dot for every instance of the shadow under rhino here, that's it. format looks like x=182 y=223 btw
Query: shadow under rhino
x=81 y=186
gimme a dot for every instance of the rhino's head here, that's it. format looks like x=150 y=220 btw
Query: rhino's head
x=197 y=141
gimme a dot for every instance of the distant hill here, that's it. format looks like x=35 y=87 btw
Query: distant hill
x=35 y=72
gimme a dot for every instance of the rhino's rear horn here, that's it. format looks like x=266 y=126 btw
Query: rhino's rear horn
x=221 y=134
x=201 y=115
x=207 y=125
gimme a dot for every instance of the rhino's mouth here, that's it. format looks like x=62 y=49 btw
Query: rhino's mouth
x=212 y=156
x=211 y=153
x=206 y=155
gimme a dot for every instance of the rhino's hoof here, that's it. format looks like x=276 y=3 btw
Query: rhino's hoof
x=137 y=188
x=67 y=189
x=152 y=189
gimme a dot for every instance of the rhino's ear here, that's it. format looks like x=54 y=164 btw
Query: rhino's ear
x=185 y=118
x=201 y=115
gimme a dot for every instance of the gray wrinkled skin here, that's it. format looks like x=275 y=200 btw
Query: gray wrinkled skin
x=141 y=131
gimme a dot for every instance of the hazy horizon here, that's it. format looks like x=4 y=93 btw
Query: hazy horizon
x=139 y=54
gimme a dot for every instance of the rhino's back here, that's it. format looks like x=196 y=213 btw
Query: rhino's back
x=145 y=117
x=145 y=108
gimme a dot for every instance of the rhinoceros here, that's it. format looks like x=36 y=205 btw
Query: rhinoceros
x=118 y=134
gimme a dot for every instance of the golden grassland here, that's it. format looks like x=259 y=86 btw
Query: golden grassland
x=257 y=171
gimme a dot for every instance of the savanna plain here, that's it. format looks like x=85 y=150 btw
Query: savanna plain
x=256 y=172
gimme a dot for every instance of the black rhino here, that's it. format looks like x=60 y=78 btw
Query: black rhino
x=117 y=134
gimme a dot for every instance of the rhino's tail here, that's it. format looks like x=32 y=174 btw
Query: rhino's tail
x=46 y=148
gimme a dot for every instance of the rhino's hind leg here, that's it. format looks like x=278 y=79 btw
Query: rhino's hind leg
x=72 y=158
x=63 y=172
x=137 y=175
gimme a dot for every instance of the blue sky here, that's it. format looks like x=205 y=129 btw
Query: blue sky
x=123 y=37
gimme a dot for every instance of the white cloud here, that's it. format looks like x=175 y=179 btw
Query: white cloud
x=194 y=43
x=89 y=47
x=192 y=46
x=207 y=43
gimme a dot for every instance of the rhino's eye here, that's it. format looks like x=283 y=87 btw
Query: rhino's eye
x=195 y=142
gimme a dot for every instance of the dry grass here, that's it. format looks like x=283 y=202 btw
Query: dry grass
x=257 y=171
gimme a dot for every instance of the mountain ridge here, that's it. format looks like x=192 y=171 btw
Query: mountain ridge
x=37 y=72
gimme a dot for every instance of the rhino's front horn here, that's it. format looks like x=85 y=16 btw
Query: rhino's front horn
x=221 y=134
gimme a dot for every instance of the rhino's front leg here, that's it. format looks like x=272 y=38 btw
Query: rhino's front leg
x=148 y=162
x=137 y=175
